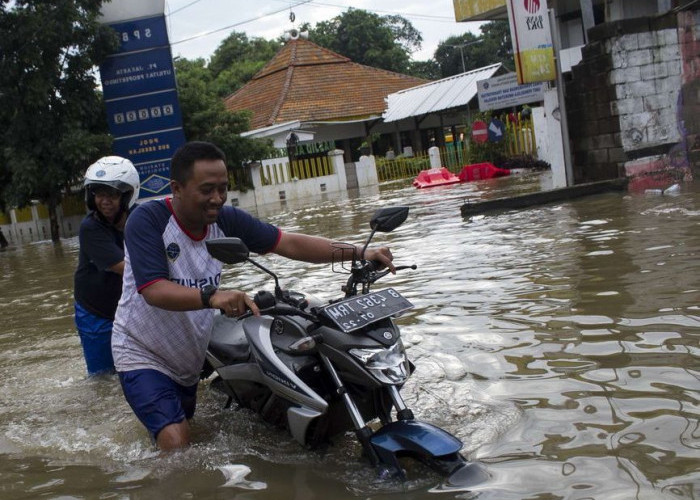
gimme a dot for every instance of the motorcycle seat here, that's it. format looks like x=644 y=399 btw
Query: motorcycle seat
x=228 y=342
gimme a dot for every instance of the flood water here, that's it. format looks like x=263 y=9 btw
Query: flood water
x=559 y=342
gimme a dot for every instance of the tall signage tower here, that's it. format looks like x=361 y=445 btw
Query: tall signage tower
x=138 y=82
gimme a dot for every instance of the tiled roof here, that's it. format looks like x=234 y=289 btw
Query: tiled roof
x=450 y=92
x=309 y=83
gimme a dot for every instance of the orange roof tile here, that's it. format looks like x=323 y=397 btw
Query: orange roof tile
x=309 y=83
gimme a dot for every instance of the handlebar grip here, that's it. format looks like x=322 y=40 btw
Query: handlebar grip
x=375 y=265
x=264 y=299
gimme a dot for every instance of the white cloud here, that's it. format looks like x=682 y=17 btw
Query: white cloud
x=197 y=27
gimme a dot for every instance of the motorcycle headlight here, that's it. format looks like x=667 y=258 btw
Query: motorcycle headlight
x=389 y=366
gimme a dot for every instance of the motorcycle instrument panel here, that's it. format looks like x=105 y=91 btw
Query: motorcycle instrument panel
x=356 y=312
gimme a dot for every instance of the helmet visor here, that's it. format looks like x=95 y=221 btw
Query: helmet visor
x=104 y=191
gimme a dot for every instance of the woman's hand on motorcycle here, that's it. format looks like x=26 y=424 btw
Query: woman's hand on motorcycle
x=381 y=255
x=233 y=303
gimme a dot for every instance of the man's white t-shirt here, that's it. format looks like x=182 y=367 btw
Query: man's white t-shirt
x=157 y=247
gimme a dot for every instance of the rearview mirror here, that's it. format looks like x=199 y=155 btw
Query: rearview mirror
x=228 y=250
x=388 y=219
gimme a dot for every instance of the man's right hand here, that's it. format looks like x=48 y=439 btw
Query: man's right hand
x=233 y=303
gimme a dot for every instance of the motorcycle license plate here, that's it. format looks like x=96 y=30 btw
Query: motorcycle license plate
x=357 y=312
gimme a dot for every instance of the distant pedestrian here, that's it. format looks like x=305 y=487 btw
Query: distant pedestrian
x=111 y=189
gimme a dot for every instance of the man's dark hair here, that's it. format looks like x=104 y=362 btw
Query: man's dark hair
x=183 y=160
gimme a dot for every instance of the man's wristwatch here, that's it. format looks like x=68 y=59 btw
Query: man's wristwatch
x=205 y=293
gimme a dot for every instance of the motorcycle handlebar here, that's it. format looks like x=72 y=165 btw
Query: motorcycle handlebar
x=375 y=265
x=281 y=310
x=397 y=268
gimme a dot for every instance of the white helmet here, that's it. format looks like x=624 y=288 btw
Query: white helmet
x=116 y=172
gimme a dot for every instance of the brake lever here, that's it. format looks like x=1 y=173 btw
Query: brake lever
x=397 y=268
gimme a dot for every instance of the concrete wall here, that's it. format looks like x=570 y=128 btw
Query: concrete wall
x=284 y=188
x=296 y=189
x=32 y=224
x=631 y=96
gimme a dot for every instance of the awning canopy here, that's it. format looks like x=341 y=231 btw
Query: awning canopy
x=451 y=92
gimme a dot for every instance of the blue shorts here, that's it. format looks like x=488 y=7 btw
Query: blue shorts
x=157 y=400
x=96 y=338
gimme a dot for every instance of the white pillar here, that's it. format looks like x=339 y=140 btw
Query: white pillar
x=366 y=170
x=555 y=144
x=434 y=155
x=338 y=162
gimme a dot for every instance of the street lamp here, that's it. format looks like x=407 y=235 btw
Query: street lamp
x=461 y=51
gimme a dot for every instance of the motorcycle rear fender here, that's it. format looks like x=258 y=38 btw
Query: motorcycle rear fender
x=412 y=437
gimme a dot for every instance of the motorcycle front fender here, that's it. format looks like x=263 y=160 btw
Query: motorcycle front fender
x=413 y=437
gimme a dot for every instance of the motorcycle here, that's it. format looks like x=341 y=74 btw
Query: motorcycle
x=319 y=369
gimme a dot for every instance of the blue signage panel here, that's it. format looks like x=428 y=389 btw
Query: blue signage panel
x=149 y=148
x=496 y=130
x=141 y=34
x=144 y=113
x=156 y=177
x=138 y=73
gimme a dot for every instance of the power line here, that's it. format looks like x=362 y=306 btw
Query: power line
x=426 y=17
x=183 y=7
x=207 y=33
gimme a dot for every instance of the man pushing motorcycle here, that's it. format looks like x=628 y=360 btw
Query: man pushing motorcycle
x=164 y=318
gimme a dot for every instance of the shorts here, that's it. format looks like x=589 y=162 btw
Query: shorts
x=156 y=399
x=96 y=338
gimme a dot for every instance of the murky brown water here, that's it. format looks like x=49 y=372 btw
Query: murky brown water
x=560 y=343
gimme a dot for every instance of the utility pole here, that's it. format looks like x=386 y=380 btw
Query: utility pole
x=461 y=51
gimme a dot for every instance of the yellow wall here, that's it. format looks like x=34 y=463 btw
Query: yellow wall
x=42 y=211
x=73 y=205
x=466 y=10
x=23 y=214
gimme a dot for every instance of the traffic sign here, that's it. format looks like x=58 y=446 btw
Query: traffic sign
x=497 y=130
x=479 y=133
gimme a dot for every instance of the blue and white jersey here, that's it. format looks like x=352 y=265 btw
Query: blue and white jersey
x=158 y=247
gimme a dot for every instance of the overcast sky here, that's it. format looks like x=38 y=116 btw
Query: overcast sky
x=196 y=27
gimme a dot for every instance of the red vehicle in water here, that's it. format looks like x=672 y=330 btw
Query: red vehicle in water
x=435 y=177
x=474 y=172
x=479 y=171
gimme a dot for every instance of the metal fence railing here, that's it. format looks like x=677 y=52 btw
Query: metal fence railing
x=519 y=140
x=281 y=170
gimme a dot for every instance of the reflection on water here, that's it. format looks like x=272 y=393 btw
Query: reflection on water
x=560 y=343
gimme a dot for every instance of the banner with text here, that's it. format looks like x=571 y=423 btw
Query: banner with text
x=532 y=40
x=504 y=92
x=138 y=82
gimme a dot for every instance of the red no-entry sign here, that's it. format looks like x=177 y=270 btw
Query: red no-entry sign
x=479 y=132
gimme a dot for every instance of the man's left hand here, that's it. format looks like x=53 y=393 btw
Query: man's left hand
x=383 y=255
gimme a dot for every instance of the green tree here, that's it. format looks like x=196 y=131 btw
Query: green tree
x=52 y=122
x=429 y=70
x=205 y=118
x=495 y=46
x=385 y=42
